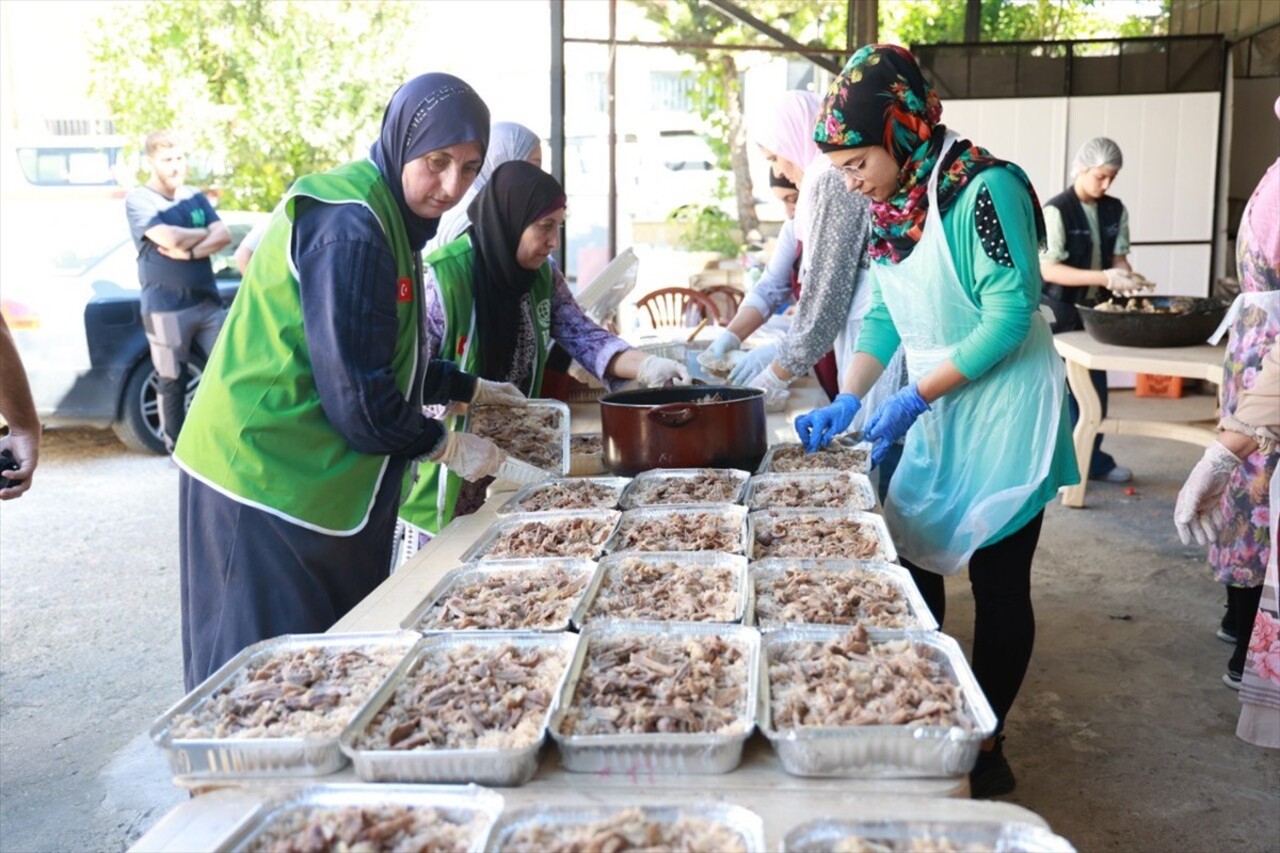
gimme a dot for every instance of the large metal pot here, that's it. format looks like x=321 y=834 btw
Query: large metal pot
x=1178 y=321
x=674 y=428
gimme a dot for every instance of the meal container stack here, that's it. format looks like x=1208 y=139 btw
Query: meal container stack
x=710 y=826
x=537 y=433
x=821 y=836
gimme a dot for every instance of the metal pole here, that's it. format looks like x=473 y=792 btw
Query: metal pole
x=557 y=104
x=613 y=129
x=973 y=21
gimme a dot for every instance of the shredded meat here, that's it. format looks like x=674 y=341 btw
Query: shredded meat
x=643 y=530
x=828 y=491
x=851 y=681
x=833 y=457
x=371 y=829
x=628 y=830
x=707 y=485
x=534 y=434
x=647 y=589
x=291 y=693
x=566 y=537
x=660 y=685
x=831 y=597
x=576 y=493
x=531 y=598
x=805 y=535
x=469 y=697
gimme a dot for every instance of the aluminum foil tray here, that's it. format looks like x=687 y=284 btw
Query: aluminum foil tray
x=518 y=502
x=460 y=578
x=480 y=549
x=656 y=753
x=743 y=821
x=633 y=516
x=820 y=836
x=861 y=494
x=859 y=458
x=758 y=519
x=633 y=497
x=464 y=802
x=709 y=559
x=562 y=432
x=880 y=751
x=764 y=570
x=503 y=767
x=196 y=759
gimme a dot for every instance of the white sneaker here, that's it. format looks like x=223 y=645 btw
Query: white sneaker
x=1118 y=474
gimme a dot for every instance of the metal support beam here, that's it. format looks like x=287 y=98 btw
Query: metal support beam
x=557 y=104
x=973 y=21
x=868 y=23
x=742 y=16
x=613 y=129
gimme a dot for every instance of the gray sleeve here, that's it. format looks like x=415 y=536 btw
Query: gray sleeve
x=836 y=248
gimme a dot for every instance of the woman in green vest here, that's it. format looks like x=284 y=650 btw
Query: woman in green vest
x=310 y=408
x=495 y=302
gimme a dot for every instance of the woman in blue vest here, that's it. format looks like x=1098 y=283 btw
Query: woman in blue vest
x=955 y=282
x=494 y=304
x=310 y=408
x=1087 y=246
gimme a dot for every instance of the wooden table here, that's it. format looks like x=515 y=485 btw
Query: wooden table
x=759 y=783
x=1083 y=353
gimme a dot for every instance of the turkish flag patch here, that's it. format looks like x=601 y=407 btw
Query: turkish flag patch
x=404 y=290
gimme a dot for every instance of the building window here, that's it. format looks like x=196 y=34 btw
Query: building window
x=671 y=91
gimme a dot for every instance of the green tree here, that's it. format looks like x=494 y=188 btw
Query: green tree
x=938 y=21
x=263 y=90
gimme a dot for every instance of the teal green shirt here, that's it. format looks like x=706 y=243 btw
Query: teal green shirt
x=1008 y=297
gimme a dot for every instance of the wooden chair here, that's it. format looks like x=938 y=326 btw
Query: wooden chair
x=727 y=298
x=676 y=307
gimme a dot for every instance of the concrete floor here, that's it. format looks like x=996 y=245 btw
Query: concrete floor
x=1123 y=737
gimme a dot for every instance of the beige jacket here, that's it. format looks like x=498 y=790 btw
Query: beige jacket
x=1257 y=413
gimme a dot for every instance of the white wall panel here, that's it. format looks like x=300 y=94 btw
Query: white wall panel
x=1176 y=270
x=1170 y=145
x=1031 y=132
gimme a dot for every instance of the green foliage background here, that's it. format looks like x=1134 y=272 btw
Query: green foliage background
x=263 y=92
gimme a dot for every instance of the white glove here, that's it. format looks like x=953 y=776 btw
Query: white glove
x=655 y=370
x=469 y=456
x=1123 y=283
x=775 y=389
x=519 y=471
x=489 y=393
x=1198 y=512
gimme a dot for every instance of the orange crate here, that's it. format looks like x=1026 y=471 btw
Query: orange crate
x=1155 y=385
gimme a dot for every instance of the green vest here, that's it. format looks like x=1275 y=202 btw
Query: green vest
x=428 y=506
x=256 y=431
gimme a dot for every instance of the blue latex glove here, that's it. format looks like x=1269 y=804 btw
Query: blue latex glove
x=756 y=360
x=892 y=420
x=820 y=426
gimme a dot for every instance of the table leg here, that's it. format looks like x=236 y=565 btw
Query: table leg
x=1086 y=429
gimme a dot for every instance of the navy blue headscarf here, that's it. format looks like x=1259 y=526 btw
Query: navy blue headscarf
x=429 y=112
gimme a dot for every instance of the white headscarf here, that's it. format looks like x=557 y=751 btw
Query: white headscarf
x=507 y=141
x=787 y=130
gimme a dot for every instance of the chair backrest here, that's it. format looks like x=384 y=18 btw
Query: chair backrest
x=727 y=298
x=675 y=307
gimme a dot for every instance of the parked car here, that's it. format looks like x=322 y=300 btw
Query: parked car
x=75 y=314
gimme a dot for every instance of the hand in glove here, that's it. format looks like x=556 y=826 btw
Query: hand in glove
x=497 y=394
x=1198 y=512
x=775 y=389
x=892 y=420
x=715 y=356
x=469 y=456
x=655 y=371
x=755 y=361
x=1120 y=282
x=820 y=426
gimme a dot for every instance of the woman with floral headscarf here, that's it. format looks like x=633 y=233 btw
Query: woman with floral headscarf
x=310 y=408
x=956 y=281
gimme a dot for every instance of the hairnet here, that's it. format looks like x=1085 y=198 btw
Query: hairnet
x=1096 y=153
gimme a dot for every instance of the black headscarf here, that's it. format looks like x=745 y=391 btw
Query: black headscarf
x=429 y=112
x=776 y=180
x=517 y=195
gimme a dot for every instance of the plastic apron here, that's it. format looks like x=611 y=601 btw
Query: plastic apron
x=970 y=464
x=895 y=373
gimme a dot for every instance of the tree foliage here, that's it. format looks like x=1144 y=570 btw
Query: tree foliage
x=262 y=90
x=938 y=21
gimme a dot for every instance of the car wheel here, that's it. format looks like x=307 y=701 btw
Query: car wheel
x=139 y=423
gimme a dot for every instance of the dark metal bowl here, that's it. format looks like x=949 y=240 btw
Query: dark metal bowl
x=1133 y=328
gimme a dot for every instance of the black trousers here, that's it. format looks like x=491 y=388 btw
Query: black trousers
x=1004 y=628
x=1242 y=603
x=247 y=575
